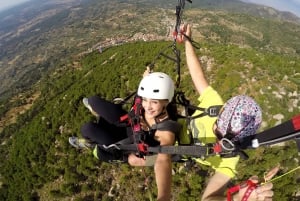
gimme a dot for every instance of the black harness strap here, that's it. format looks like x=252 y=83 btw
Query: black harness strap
x=286 y=137
x=297 y=139
x=286 y=131
x=201 y=151
x=212 y=111
x=198 y=151
x=276 y=132
x=193 y=150
x=167 y=125
x=283 y=132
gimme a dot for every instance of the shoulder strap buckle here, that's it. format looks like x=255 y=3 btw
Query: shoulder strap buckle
x=213 y=111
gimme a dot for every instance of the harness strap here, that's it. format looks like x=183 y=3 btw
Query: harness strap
x=283 y=132
x=284 y=138
x=191 y=150
x=199 y=151
x=231 y=191
x=250 y=188
x=212 y=111
x=298 y=142
x=167 y=125
x=289 y=127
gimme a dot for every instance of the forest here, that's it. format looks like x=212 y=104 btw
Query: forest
x=39 y=164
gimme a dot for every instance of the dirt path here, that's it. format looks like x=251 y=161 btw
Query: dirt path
x=10 y=116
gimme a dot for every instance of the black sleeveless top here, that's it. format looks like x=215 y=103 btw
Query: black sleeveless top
x=165 y=125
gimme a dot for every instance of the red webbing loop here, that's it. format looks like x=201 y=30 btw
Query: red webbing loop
x=217 y=148
x=143 y=148
x=296 y=122
x=250 y=187
x=135 y=121
x=124 y=118
x=231 y=191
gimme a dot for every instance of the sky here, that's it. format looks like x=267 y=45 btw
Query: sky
x=4 y=4
x=283 y=5
x=292 y=6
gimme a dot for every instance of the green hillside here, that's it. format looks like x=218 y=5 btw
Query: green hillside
x=39 y=164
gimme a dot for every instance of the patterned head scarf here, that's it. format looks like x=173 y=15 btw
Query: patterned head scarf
x=241 y=117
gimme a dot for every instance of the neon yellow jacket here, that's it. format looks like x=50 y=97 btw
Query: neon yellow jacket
x=203 y=128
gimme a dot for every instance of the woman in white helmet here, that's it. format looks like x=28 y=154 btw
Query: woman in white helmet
x=156 y=91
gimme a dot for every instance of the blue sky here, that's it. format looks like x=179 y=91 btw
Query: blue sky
x=283 y=5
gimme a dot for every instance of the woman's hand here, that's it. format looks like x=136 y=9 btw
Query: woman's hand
x=264 y=191
x=185 y=31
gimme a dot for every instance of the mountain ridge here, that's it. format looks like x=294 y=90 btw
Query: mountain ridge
x=32 y=47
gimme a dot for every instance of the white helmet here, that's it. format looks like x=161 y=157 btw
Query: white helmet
x=156 y=85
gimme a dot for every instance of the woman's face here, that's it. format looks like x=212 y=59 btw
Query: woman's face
x=153 y=107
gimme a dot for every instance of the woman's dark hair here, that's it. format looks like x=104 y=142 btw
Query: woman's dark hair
x=172 y=111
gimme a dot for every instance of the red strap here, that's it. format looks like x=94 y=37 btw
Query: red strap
x=136 y=127
x=296 y=122
x=250 y=187
x=142 y=147
x=231 y=191
x=124 y=118
x=217 y=148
